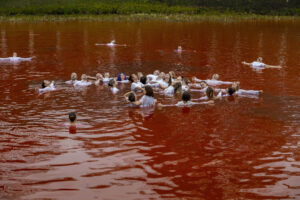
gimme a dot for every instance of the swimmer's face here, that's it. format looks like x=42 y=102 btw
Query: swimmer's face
x=73 y=76
x=47 y=83
x=106 y=75
x=179 y=48
x=134 y=78
x=167 y=77
x=14 y=54
x=156 y=72
x=140 y=74
x=203 y=84
x=83 y=77
x=259 y=59
x=99 y=76
x=215 y=77
x=162 y=75
x=122 y=77
x=179 y=78
x=235 y=85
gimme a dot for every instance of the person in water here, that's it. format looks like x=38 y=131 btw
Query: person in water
x=72 y=122
x=47 y=86
x=258 y=64
x=73 y=79
x=173 y=89
x=135 y=85
x=83 y=82
x=143 y=80
x=185 y=84
x=147 y=100
x=213 y=81
x=113 y=86
x=106 y=77
x=245 y=93
x=186 y=99
x=131 y=98
x=122 y=78
x=72 y=118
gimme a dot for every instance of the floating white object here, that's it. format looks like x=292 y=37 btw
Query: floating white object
x=111 y=44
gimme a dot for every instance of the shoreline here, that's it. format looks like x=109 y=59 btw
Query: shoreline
x=221 y=17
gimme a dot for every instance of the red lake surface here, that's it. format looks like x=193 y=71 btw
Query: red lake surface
x=238 y=148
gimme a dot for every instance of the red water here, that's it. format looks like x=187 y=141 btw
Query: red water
x=239 y=148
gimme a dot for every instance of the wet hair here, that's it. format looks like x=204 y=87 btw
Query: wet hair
x=186 y=80
x=172 y=74
x=119 y=77
x=210 y=92
x=131 y=97
x=43 y=84
x=111 y=82
x=72 y=116
x=186 y=96
x=143 y=79
x=149 y=91
x=130 y=78
x=231 y=91
x=177 y=87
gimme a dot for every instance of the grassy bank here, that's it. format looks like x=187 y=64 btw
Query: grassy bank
x=159 y=7
x=147 y=17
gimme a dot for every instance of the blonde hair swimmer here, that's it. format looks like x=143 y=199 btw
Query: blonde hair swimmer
x=83 y=81
x=258 y=64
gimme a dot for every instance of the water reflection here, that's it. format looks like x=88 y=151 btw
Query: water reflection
x=3 y=44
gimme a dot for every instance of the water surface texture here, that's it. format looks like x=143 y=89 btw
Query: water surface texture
x=239 y=148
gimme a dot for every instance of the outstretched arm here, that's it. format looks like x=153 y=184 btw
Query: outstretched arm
x=245 y=63
x=273 y=66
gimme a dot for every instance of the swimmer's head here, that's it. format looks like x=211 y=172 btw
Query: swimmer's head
x=179 y=48
x=215 y=76
x=172 y=74
x=132 y=78
x=139 y=74
x=131 y=97
x=99 y=76
x=83 y=77
x=121 y=77
x=186 y=96
x=186 y=81
x=177 y=87
x=111 y=82
x=149 y=91
x=45 y=83
x=106 y=75
x=162 y=75
x=72 y=116
x=113 y=41
x=73 y=76
x=236 y=85
x=179 y=78
x=156 y=72
x=143 y=79
x=259 y=59
x=14 y=54
x=230 y=91
x=210 y=92
x=203 y=84
x=168 y=79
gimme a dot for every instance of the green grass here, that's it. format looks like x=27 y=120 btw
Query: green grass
x=125 y=7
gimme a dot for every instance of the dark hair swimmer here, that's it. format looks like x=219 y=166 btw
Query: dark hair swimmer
x=186 y=96
x=143 y=80
x=72 y=117
x=230 y=91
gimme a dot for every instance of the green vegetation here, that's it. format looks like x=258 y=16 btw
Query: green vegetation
x=166 y=7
